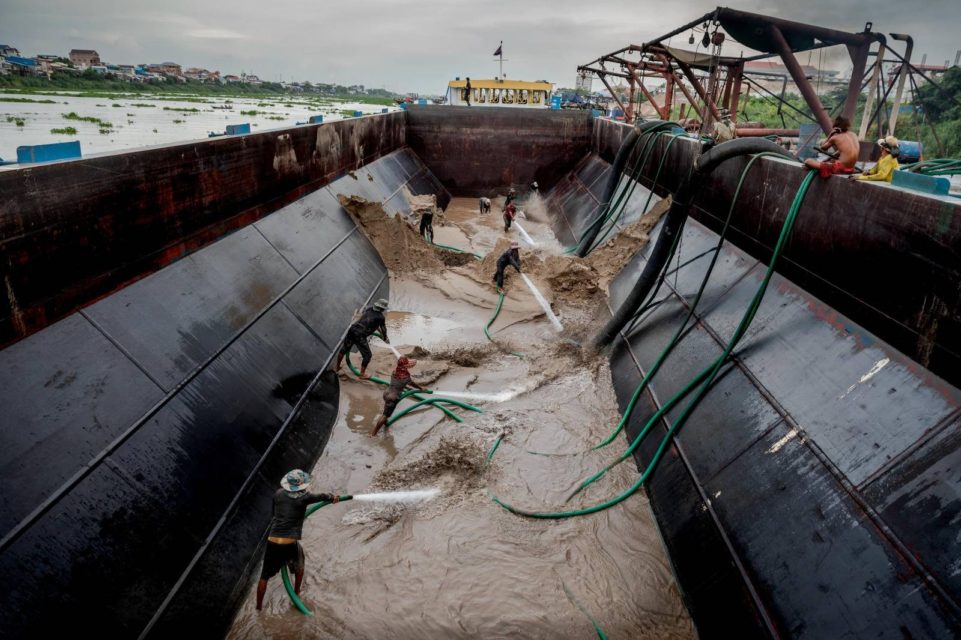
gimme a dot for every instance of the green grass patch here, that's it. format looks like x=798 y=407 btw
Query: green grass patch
x=16 y=120
x=28 y=100
x=73 y=115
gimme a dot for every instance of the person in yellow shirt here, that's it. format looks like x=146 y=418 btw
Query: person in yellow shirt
x=887 y=164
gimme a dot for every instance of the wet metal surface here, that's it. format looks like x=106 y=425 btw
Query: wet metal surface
x=147 y=423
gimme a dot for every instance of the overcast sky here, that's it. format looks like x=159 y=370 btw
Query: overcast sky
x=417 y=45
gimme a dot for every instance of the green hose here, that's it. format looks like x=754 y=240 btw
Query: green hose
x=690 y=314
x=633 y=185
x=435 y=402
x=705 y=379
x=934 y=167
x=430 y=401
x=497 y=311
x=618 y=204
x=450 y=248
x=285 y=575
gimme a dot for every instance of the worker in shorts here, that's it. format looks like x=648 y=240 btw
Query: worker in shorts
x=848 y=148
x=286 y=526
x=370 y=322
x=399 y=381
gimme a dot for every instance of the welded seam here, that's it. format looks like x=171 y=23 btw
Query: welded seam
x=759 y=604
x=253 y=473
x=895 y=542
x=276 y=250
x=89 y=467
x=119 y=347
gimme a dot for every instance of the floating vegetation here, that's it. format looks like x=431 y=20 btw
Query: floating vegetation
x=179 y=121
x=155 y=131
x=70 y=131
x=184 y=109
x=16 y=120
x=29 y=100
x=252 y=112
x=105 y=130
x=140 y=104
x=275 y=117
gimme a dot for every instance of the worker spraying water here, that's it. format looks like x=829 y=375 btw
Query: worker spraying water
x=527 y=238
x=541 y=300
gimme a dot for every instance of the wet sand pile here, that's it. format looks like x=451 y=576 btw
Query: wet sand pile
x=608 y=259
x=472 y=356
x=455 y=457
x=397 y=242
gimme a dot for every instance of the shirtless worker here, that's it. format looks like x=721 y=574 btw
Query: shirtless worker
x=846 y=142
x=510 y=257
x=286 y=526
x=398 y=382
x=370 y=322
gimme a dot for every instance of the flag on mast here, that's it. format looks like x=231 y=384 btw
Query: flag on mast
x=499 y=49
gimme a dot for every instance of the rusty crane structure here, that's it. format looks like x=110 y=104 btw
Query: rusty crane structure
x=710 y=81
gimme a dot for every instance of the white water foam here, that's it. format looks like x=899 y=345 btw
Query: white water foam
x=543 y=302
x=398 y=496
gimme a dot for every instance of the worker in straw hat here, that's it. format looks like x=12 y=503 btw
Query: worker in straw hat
x=286 y=526
x=370 y=322
x=510 y=257
x=887 y=164
x=399 y=381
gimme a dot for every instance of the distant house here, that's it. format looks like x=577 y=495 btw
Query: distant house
x=84 y=58
x=7 y=50
x=22 y=66
x=171 y=68
x=252 y=79
x=202 y=75
x=230 y=79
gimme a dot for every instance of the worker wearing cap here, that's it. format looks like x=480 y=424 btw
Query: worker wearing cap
x=510 y=257
x=370 y=322
x=286 y=525
x=511 y=196
x=887 y=164
x=398 y=382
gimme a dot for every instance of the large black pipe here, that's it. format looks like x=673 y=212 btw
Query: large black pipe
x=674 y=224
x=620 y=160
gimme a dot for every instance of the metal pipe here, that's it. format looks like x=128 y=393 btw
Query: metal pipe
x=859 y=57
x=892 y=123
x=872 y=88
x=699 y=88
x=760 y=132
x=810 y=96
x=821 y=33
x=613 y=95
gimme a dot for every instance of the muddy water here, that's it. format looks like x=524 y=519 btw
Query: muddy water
x=460 y=566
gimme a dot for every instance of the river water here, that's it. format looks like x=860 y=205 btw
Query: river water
x=460 y=566
x=139 y=121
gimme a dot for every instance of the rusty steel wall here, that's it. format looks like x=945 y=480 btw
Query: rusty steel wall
x=814 y=492
x=71 y=232
x=483 y=151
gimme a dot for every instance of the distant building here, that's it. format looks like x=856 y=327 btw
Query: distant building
x=22 y=66
x=84 y=58
x=230 y=79
x=7 y=50
x=583 y=82
x=252 y=79
x=170 y=68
